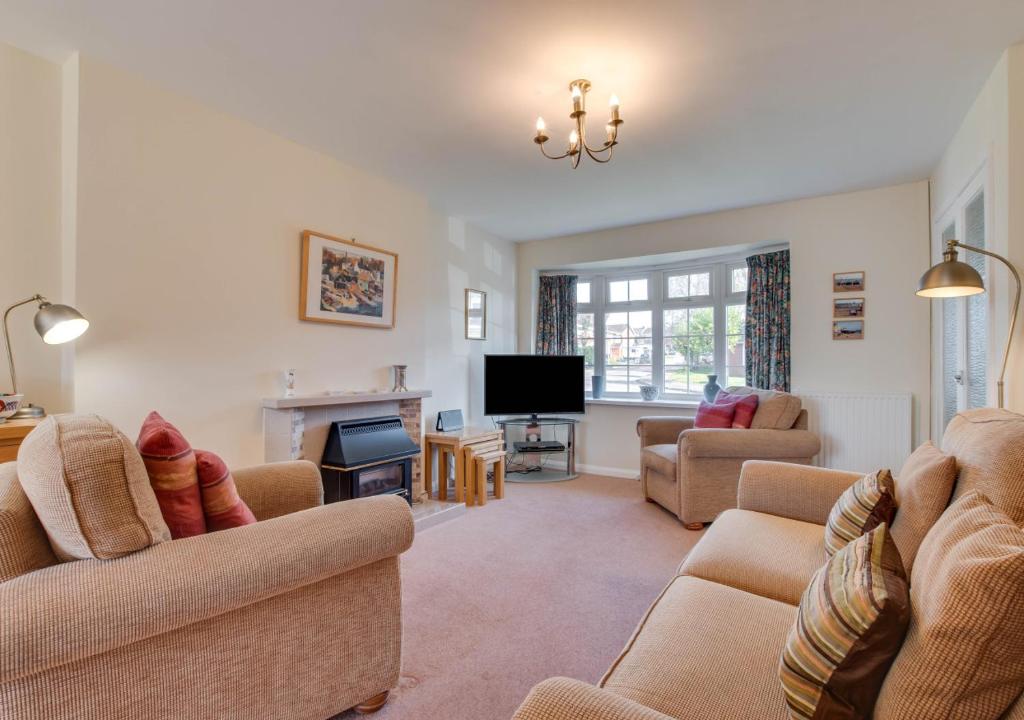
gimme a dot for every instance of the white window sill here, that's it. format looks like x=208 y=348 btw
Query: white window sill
x=637 y=402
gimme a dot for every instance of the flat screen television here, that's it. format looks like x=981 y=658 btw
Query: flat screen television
x=533 y=384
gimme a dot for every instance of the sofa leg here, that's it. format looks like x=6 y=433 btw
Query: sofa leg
x=650 y=500
x=694 y=526
x=373 y=704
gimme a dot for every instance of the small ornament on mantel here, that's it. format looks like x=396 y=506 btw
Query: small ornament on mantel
x=399 y=371
x=289 y=383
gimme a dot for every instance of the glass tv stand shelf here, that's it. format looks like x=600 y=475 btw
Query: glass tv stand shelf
x=547 y=428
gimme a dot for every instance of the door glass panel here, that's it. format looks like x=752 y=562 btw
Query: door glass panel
x=950 y=346
x=977 y=307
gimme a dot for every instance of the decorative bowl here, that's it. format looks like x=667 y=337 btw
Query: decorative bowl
x=9 y=405
x=649 y=392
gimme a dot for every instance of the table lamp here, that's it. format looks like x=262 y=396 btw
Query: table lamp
x=952 y=278
x=56 y=324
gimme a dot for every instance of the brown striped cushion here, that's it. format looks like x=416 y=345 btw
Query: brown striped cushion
x=89 y=488
x=171 y=464
x=964 y=653
x=222 y=506
x=865 y=505
x=849 y=627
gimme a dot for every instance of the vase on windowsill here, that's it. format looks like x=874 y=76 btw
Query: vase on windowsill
x=597 y=386
x=712 y=388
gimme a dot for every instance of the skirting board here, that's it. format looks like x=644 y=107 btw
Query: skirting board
x=597 y=470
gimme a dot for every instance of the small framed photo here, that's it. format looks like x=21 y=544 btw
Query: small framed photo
x=347 y=283
x=848 y=281
x=476 y=314
x=848 y=308
x=848 y=330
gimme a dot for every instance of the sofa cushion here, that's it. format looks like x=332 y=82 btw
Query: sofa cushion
x=861 y=508
x=715 y=415
x=171 y=464
x=923 y=488
x=89 y=488
x=775 y=410
x=222 y=506
x=746 y=408
x=706 y=650
x=964 y=652
x=850 y=625
x=23 y=543
x=989 y=448
x=762 y=554
x=662 y=458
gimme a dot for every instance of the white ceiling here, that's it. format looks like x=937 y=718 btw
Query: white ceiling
x=727 y=103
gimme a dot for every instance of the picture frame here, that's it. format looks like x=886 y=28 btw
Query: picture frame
x=852 y=308
x=476 y=314
x=347 y=283
x=851 y=281
x=848 y=329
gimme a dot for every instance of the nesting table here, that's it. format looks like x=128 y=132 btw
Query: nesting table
x=472 y=449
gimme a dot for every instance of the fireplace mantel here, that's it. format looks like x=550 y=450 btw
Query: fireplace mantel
x=295 y=428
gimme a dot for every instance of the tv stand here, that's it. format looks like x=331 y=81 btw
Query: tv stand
x=542 y=475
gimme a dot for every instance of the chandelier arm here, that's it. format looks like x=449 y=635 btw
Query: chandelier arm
x=553 y=157
x=595 y=158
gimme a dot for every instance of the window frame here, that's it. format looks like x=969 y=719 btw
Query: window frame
x=720 y=275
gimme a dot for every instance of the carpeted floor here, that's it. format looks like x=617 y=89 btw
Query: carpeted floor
x=552 y=580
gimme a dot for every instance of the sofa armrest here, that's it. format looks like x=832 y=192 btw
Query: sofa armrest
x=736 y=443
x=276 y=489
x=799 y=492
x=561 y=698
x=661 y=429
x=75 y=610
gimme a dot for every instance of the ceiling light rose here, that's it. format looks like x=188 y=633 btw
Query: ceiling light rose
x=578 y=137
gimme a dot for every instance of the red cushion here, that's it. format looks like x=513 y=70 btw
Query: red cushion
x=171 y=465
x=714 y=415
x=746 y=406
x=221 y=504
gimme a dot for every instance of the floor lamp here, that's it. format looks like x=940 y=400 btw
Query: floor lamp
x=56 y=324
x=952 y=278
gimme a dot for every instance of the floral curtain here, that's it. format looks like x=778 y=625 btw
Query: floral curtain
x=556 y=315
x=767 y=330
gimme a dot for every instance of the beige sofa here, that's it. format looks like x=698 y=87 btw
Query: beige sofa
x=710 y=644
x=694 y=472
x=297 y=616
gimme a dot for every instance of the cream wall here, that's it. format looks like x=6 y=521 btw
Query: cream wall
x=30 y=217
x=882 y=231
x=187 y=264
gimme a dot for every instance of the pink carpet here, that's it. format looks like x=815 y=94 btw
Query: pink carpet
x=552 y=580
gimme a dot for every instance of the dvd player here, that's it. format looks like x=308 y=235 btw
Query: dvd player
x=539 y=446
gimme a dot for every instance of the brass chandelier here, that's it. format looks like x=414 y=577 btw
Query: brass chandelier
x=578 y=137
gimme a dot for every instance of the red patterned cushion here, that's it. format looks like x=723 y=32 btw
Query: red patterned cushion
x=714 y=416
x=221 y=504
x=746 y=406
x=171 y=466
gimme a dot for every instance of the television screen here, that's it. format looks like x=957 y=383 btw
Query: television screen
x=533 y=384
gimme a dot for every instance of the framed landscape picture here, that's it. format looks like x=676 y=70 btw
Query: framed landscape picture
x=848 y=308
x=848 y=281
x=848 y=330
x=345 y=282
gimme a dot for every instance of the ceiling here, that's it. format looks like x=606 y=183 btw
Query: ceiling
x=727 y=103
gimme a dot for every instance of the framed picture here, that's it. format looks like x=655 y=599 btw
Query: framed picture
x=848 y=308
x=345 y=282
x=476 y=314
x=848 y=281
x=848 y=330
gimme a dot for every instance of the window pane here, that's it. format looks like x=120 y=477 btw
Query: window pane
x=615 y=325
x=977 y=308
x=616 y=378
x=737 y=377
x=738 y=280
x=734 y=356
x=735 y=319
x=583 y=293
x=700 y=284
x=702 y=321
x=675 y=322
x=616 y=351
x=638 y=289
x=639 y=375
x=584 y=325
x=678 y=286
x=640 y=351
x=640 y=324
x=675 y=351
x=618 y=291
x=676 y=379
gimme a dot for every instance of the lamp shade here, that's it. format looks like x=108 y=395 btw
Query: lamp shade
x=58 y=324
x=950 y=278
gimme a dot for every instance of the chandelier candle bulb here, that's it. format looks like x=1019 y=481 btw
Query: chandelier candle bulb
x=542 y=136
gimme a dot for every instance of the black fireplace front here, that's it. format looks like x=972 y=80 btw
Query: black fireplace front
x=371 y=456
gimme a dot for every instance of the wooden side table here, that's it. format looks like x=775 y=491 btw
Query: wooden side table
x=12 y=433
x=453 y=442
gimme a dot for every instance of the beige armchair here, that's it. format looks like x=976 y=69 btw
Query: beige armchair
x=694 y=472
x=297 y=616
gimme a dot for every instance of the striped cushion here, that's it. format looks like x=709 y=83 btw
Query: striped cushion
x=849 y=627
x=865 y=505
x=746 y=407
x=171 y=465
x=714 y=415
x=222 y=506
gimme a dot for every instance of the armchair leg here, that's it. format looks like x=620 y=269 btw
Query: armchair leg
x=694 y=526
x=373 y=704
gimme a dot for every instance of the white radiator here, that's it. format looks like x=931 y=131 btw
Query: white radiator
x=861 y=431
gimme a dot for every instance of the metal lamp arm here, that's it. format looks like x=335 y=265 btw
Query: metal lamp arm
x=7 y=336
x=1013 y=313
